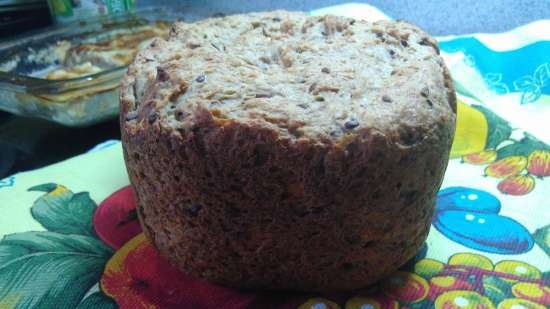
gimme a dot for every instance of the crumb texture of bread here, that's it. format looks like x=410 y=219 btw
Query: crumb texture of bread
x=282 y=151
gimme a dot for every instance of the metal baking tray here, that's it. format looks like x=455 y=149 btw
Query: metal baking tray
x=76 y=93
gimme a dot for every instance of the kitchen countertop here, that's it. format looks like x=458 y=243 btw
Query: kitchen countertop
x=27 y=143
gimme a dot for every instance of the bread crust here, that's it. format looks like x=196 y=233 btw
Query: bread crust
x=242 y=203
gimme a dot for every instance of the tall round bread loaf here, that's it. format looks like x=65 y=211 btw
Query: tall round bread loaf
x=281 y=151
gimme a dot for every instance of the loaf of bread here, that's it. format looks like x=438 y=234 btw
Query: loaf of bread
x=282 y=151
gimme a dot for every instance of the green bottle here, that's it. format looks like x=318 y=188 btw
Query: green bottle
x=68 y=10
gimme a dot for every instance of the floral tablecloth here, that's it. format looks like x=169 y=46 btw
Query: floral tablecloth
x=70 y=238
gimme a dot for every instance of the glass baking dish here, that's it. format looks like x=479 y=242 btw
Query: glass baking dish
x=80 y=99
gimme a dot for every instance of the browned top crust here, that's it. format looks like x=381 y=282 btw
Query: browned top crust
x=325 y=79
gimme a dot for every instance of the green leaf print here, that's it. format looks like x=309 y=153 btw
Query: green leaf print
x=97 y=300
x=496 y=289
x=542 y=238
x=8 y=253
x=62 y=211
x=45 y=187
x=49 y=269
x=524 y=147
x=498 y=129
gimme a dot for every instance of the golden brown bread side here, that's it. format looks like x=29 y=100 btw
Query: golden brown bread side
x=280 y=151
